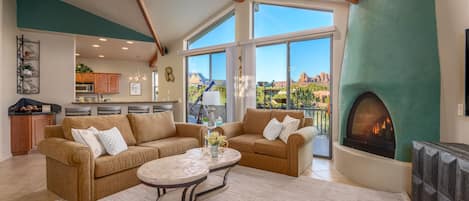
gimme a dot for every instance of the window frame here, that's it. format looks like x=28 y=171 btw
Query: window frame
x=207 y=26
x=288 y=70
x=186 y=59
x=284 y=4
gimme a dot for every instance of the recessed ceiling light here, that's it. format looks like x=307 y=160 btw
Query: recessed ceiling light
x=77 y=54
x=103 y=39
x=130 y=42
x=96 y=45
x=124 y=48
x=101 y=56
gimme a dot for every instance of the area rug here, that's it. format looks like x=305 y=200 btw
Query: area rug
x=248 y=184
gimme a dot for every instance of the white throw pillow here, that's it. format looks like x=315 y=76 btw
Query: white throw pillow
x=273 y=129
x=113 y=141
x=90 y=139
x=76 y=134
x=290 y=125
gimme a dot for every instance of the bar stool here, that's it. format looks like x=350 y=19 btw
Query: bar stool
x=162 y=108
x=109 y=110
x=138 y=109
x=78 y=111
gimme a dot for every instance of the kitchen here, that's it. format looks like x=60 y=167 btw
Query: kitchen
x=115 y=72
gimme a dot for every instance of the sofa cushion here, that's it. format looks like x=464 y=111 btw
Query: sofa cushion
x=275 y=148
x=297 y=114
x=101 y=123
x=150 y=127
x=256 y=120
x=244 y=143
x=172 y=145
x=131 y=158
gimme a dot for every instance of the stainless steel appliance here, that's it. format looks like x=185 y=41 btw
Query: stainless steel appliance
x=84 y=88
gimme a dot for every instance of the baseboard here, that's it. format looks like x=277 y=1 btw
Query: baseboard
x=5 y=156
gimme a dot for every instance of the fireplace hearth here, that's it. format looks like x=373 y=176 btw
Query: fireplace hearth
x=370 y=127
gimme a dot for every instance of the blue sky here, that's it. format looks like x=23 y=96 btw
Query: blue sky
x=312 y=56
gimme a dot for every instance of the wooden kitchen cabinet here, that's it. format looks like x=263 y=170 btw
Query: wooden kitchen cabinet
x=84 y=77
x=106 y=83
x=101 y=83
x=27 y=131
x=114 y=80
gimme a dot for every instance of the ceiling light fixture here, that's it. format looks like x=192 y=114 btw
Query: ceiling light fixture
x=102 y=39
x=96 y=45
x=130 y=42
x=124 y=48
x=137 y=77
x=77 y=54
x=101 y=56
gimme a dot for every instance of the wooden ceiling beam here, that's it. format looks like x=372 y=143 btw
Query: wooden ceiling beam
x=151 y=27
x=353 y=1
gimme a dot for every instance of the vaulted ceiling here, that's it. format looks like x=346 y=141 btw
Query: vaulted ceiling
x=173 y=19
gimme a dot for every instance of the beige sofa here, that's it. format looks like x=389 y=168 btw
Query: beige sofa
x=290 y=158
x=74 y=174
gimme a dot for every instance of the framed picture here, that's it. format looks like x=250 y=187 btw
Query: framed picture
x=135 y=89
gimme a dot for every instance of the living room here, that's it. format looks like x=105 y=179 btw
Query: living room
x=326 y=99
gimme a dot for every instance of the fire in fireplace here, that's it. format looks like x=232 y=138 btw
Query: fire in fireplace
x=370 y=127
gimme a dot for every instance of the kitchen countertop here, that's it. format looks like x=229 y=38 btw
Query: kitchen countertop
x=126 y=102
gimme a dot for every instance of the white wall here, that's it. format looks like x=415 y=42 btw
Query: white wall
x=8 y=96
x=452 y=20
x=57 y=68
x=126 y=69
x=176 y=89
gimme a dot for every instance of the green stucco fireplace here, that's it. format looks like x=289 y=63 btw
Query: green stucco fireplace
x=392 y=51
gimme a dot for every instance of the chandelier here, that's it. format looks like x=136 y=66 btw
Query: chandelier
x=138 y=77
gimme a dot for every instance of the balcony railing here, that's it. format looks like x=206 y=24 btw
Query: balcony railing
x=321 y=117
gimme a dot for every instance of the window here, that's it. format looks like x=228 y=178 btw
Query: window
x=272 y=20
x=154 y=76
x=203 y=69
x=223 y=31
x=296 y=75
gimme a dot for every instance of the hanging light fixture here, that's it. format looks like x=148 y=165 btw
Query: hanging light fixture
x=137 y=77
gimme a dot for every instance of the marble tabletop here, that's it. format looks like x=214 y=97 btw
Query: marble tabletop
x=173 y=170
x=227 y=157
x=184 y=168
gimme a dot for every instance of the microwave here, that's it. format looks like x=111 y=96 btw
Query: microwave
x=84 y=88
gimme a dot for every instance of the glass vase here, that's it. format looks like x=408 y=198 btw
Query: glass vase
x=214 y=151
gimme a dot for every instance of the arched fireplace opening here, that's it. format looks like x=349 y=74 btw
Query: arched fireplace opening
x=370 y=127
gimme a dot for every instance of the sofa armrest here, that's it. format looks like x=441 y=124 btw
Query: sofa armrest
x=302 y=136
x=230 y=130
x=191 y=130
x=65 y=157
x=54 y=131
x=65 y=151
x=300 y=150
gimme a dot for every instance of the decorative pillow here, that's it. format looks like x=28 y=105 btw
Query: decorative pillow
x=90 y=139
x=273 y=129
x=112 y=141
x=76 y=134
x=150 y=127
x=290 y=125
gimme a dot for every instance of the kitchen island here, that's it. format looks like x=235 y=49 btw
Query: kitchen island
x=156 y=106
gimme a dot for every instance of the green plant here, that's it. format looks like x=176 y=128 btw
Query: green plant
x=205 y=119
x=82 y=68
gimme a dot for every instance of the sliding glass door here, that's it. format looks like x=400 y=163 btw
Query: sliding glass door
x=296 y=75
x=201 y=71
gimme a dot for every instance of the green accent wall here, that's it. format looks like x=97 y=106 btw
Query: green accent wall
x=392 y=50
x=58 y=16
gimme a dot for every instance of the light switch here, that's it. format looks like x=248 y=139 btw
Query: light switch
x=460 y=109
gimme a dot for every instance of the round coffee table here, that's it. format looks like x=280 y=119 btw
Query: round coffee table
x=187 y=171
x=225 y=161
x=174 y=172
